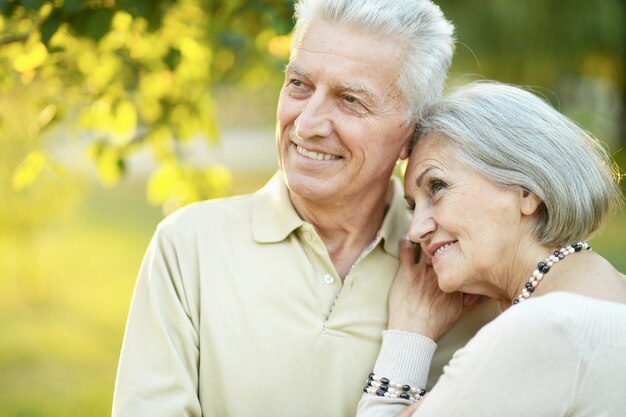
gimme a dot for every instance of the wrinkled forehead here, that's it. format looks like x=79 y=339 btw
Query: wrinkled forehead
x=428 y=147
x=431 y=151
x=378 y=54
x=338 y=55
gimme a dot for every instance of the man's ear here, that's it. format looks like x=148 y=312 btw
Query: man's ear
x=529 y=202
x=405 y=152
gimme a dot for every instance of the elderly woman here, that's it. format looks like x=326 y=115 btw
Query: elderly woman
x=504 y=192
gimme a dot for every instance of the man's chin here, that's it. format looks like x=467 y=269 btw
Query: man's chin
x=307 y=186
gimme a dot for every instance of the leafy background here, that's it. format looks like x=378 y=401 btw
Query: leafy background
x=114 y=113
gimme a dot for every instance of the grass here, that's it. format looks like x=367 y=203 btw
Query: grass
x=61 y=334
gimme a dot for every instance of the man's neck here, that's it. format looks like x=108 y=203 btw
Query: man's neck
x=345 y=227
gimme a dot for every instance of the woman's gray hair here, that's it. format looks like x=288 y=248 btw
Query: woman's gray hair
x=516 y=139
x=419 y=27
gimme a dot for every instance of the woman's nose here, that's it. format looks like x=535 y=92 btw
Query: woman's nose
x=422 y=226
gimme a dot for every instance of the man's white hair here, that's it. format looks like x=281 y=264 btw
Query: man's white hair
x=419 y=28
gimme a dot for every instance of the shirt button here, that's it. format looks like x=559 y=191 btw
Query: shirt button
x=329 y=279
x=307 y=236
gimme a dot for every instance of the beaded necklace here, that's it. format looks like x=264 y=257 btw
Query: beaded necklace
x=544 y=266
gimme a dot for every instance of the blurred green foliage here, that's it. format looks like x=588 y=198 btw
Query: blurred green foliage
x=138 y=74
x=572 y=53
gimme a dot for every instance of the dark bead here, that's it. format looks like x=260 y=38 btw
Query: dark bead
x=530 y=287
x=384 y=387
x=384 y=380
x=371 y=374
x=543 y=267
x=369 y=382
x=516 y=301
x=406 y=388
x=422 y=392
x=578 y=247
x=380 y=393
x=557 y=253
x=404 y=396
x=365 y=388
x=561 y=256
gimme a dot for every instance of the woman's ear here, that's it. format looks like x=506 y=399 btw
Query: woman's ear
x=529 y=202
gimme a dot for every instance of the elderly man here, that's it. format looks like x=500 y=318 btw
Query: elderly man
x=272 y=304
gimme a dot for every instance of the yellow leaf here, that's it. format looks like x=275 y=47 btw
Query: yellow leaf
x=88 y=61
x=121 y=21
x=219 y=180
x=28 y=171
x=124 y=122
x=110 y=166
x=47 y=115
x=33 y=57
x=159 y=139
x=263 y=38
x=279 y=46
x=161 y=183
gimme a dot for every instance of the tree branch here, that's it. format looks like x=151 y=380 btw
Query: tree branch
x=14 y=38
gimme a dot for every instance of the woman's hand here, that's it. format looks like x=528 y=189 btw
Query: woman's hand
x=408 y=412
x=416 y=304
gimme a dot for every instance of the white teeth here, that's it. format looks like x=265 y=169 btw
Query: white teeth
x=315 y=155
x=440 y=248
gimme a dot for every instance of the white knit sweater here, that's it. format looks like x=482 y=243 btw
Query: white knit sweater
x=560 y=354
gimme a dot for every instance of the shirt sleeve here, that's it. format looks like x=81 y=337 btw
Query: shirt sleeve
x=158 y=367
x=519 y=365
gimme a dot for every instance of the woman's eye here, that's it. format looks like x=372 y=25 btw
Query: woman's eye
x=436 y=186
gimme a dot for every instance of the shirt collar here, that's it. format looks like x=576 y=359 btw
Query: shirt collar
x=273 y=215
x=274 y=218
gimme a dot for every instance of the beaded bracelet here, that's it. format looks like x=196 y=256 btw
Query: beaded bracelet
x=383 y=387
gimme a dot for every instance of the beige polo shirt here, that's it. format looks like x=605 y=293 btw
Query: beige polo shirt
x=238 y=311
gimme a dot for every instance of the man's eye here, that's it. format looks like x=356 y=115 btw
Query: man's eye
x=295 y=82
x=350 y=99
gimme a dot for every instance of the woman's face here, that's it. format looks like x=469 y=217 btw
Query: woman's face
x=467 y=224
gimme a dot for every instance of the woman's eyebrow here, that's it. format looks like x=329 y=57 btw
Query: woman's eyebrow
x=421 y=176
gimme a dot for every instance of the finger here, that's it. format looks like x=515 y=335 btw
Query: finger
x=408 y=412
x=407 y=252
x=470 y=299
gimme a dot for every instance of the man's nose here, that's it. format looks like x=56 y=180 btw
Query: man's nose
x=314 y=120
x=422 y=226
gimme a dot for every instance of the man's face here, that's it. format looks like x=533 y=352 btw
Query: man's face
x=341 y=118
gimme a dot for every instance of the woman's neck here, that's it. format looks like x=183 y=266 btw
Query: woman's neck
x=586 y=273
x=524 y=261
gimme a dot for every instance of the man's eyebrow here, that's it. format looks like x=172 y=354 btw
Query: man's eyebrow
x=421 y=176
x=300 y=73
x=353 y=88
